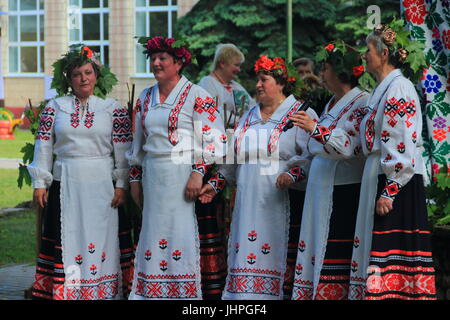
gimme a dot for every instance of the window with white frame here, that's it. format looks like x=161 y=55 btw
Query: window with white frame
x=153 y=18
x=26 y=37
x=89 y=24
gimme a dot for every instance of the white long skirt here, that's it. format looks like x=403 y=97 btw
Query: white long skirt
x=89 y=230
x=167 y=262
x=257 y=247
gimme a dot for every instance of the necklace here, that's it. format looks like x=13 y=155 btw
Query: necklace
x=225 y=84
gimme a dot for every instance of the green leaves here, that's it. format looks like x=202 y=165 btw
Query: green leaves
x=438 y=193
x=23 y=175
x=76 y=57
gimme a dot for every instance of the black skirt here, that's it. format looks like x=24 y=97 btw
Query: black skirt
x=401 y=259
x=335 y=274
x=296 y=201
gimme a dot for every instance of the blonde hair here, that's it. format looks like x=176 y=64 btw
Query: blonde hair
x=226 y=52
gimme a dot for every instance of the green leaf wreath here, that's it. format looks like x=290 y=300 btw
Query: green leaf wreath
x=79 y=55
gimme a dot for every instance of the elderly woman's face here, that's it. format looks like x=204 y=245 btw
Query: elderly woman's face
x=373 y=59
x=232 y=68
x=267 y=88
x=164 y=66
x=83 y=80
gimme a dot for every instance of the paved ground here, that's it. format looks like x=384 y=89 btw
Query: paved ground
x=14 y=279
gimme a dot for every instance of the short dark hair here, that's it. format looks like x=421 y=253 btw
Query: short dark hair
x=303 y=62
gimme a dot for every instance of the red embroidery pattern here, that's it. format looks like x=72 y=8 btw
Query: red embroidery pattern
x=391 y=189
x=278 y=130
x=356 y=291
x=400 y=108
x=167 y=286
x=106 y=287
x=75 y=116
x=322 y=134
x=332 y=291
x=145 y=109
x=260 y=282
x=303 y=290
x=370 y=130
x=89 y=119
x=201 y=168
x=135 y=174
x=217 y=181
x=207 y=105
x=297 y=173
x=46 y=124
x=173 y=117
x=237 y=145
x=121 y=126
x=400 y=285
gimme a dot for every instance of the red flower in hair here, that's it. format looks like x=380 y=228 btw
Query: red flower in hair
x=154 y=43
x=159 y=44
x=88 y=52
x=329 y=47
x=264 y=63
x=357 y=71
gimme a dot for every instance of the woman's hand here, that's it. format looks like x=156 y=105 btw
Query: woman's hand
x=193 y=186
x=284 y=181
x=119 y=197
x=384 y=206
x=136 y=193
x=207 y=194
x=302 y=120
x=40 y=197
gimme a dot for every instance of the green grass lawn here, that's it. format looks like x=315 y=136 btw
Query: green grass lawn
x=18 y=238
x=10 y=149
x=10 y=194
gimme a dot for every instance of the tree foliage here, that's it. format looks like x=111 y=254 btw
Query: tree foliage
x=259 y=27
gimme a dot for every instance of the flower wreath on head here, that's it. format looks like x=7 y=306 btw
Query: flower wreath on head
x=410 y=54
x=345 y=59
x=278 y=66
x=178 y=48
x=79 y=55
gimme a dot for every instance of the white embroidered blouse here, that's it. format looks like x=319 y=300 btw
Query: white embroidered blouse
x=65 y=131
x=186 y=128
x=393 y=127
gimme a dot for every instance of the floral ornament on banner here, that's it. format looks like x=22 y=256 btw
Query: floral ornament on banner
x=178 y=48
x=345 y=60
x=428 y=23
x=79 y=55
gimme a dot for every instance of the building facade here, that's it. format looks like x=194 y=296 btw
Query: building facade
x=35 y=33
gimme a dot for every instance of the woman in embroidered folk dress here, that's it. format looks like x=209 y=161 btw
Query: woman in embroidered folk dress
x=177 y=125
x=221 y=83
x=332 y=193
x=268 y=161
x=88 y=135
x=393 y=259
x=214 y=218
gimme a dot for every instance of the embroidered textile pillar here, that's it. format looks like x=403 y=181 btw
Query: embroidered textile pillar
x=428 y=21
